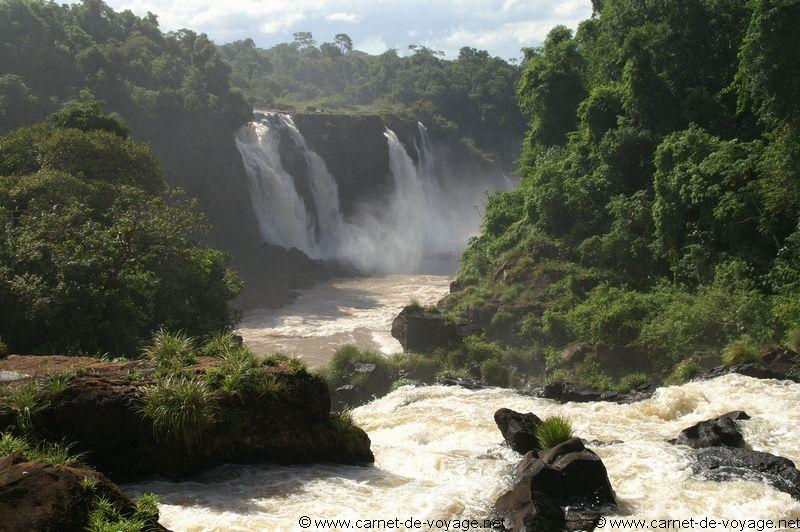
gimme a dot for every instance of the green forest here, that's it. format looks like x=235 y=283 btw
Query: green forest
x=656 y=224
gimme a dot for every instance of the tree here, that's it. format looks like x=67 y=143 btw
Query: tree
x=304 y=39
x=344 y=42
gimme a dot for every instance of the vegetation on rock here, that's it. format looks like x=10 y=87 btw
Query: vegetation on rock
x=552 y=431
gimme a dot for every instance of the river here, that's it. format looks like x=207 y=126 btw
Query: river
x=440 y=455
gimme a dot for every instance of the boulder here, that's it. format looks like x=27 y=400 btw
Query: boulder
x=519 y=430
x=780 y=364
x=521 y=512
x=720 y=431
x=37 y=496
x=366 y=381
x=727 y=463
x=578 y=392
x=420 y=330
x=569 y=477
x=565 y=392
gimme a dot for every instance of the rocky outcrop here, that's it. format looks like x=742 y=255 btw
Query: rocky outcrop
x=37 y=496
x=781 y=364
x=519 y=430
x=563 y=488
x=725 y=463
x=421 y=330
x=720 y=431
x=100 y=410
x=720 y=454
x=578 y=392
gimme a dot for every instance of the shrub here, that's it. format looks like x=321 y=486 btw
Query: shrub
x=631 y=381
x=345 y=360
x=181 y=409
x=170 y=350
x=683 y=372
x=416 y=366
x=552 y=431
x=739 y=352
x=793 y=339
x=494 y=373
x=23 y=402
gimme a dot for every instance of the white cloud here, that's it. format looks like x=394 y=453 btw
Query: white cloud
x=500 y=26
x=343 y=17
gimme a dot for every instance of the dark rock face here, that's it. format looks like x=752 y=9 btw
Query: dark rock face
x=519 y=430
x=721 y=431
x=781 y=364
x=101 y=414
x=38 y=496
x=578 y=392
x=568 y=475
x=725 y=463
x=367 y=381
x=419 y=330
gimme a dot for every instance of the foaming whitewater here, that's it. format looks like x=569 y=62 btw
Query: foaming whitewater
x=440 y=455
x=421 y=218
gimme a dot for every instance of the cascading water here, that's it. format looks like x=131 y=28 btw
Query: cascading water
x=419 y=219
x=439 y=455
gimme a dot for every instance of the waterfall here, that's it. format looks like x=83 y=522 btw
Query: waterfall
x=420 y=220
x=281 y=214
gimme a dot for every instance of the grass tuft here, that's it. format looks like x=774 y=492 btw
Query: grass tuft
x=632 y=381
x=414 y=304
x=51 y=453
x=683 y=372
x=181 y=409
x=552 y=431
x=23 y=402
x=739 y=352
x=170 y=350
x=105 y=517
x=345 y=431
x=219 y=344
x=147 y=506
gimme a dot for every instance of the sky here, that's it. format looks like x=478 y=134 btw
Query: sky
x=502 y=27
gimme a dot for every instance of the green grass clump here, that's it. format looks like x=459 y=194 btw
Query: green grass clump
x=219 y=344
x=399 y=383
x=294 y=364
x=793 y=339
x=23 y=402
x=58 y=382
x=416 y=366
x=170 y=350
x=683 y=372
x=181 y=409
x=241 y=374
x=344 y=431
x=147 y=506
x=552 y=431
x=106 y=517
x=51 y=453
x=631 y=381
x=739 y=352
x=413 y=304
x=88 y=484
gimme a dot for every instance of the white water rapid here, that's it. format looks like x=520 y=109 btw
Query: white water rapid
x=439 y=454
x=422 y=219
